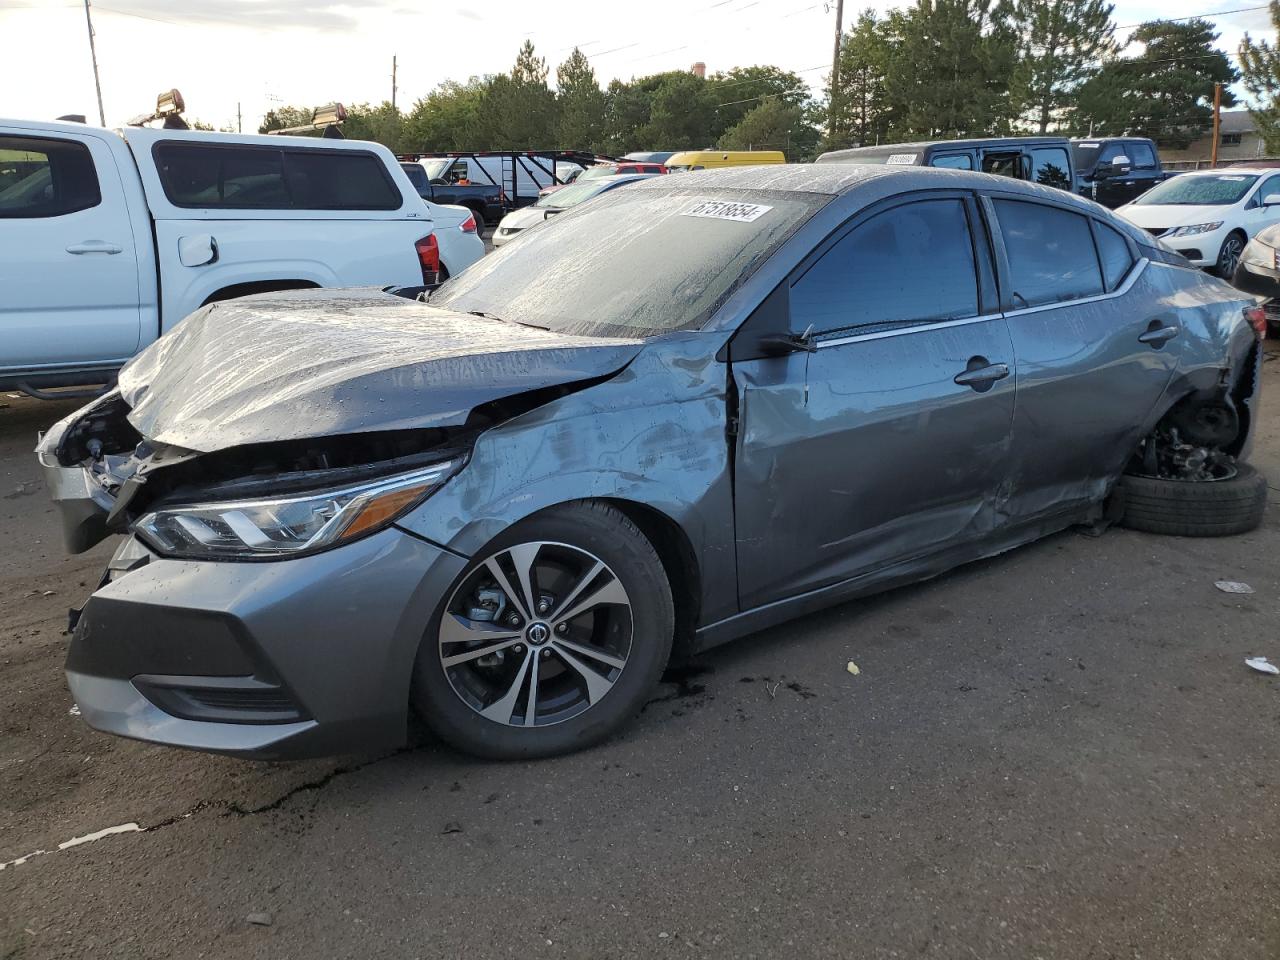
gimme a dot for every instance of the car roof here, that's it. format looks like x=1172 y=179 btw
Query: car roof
x=949 y=144
x=833 y=179
x=1219 y=171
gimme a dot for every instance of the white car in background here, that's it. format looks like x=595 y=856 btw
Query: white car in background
x=1209 y=216
x=518 y=221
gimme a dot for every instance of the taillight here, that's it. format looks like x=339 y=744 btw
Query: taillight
x=468 y=225
x=429 y=259
x=1257 y=318
x=502 y=195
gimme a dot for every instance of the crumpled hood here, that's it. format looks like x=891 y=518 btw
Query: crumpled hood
x=327 y=362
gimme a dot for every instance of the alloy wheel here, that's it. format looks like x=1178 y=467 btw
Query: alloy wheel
x=1232 y=248
x=536 y=634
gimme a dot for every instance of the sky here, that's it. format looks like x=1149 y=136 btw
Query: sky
x=260 y=53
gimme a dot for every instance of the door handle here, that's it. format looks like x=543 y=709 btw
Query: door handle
x=981 y=375
x=94 y=246
x=1158 y=334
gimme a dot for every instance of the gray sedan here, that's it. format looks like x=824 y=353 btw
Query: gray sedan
x=682 y=413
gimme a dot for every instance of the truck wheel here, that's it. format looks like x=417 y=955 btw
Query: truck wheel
x=479 y=215
x=1195 y=508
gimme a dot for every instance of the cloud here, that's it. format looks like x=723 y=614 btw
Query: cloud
x=250 y=14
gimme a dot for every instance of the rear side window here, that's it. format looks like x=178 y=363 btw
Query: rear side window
x=910 y=264
x=1050 y=166
x=45 y=177
x=1003 y=164
x=217 y=177
x=1051 y=258
x=1113 y=253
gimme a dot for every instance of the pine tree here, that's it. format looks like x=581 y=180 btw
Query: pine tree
x=519 y=112
x=580 y=104
x=1260 y=68
x=1164 y=93
x=863 y=114
x=1062 y=45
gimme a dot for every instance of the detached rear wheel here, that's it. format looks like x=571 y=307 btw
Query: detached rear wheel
x=551 y=639
x=1195 y=508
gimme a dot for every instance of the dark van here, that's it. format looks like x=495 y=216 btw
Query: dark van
x=1044 y=160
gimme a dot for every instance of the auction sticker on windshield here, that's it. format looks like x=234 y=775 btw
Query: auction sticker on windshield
x=726 y=210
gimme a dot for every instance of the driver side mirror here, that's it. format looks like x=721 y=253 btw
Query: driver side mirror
x=1271 y=200
x=1118 y=167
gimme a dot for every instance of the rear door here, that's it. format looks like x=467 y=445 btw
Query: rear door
x=69 y=271
x=1090 y=334
x=890 y=441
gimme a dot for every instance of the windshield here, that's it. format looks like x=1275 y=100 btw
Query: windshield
x=1189 y=190
x=570 y=196
x=436 y=168
x=598 y=171
x=633 y=263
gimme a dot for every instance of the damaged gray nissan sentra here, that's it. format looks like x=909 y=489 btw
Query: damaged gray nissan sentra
x=684 y=412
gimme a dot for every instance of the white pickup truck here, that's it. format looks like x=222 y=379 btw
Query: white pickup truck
x=109 y=238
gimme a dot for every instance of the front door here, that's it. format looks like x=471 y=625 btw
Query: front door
x=1091 y=335
x=68 y=264
x=891 y=439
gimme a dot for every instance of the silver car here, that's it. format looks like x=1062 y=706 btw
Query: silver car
x=681 y=413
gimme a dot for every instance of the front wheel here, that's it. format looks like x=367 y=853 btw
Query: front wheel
x=1229 y=255
x=552 y=638
x=1195 y=508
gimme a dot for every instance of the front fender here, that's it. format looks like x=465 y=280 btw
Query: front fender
x=652 y=435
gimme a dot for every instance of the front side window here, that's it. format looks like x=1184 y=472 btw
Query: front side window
x=953 y=161
x=1050 y=251
x=1050 y=166
x=1142 y=156
x=216 y=177
x=45 y=177
x=908 y=265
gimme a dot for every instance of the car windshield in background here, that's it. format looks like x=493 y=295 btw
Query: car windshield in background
x=570 y=196
x=598 y=171
x=632 y=263
x=1190 y=190
x=436 y=168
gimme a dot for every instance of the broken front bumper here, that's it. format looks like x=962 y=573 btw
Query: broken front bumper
x=82 y=503
x=266 y=660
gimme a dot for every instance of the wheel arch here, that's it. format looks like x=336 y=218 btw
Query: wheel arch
x=245 y=289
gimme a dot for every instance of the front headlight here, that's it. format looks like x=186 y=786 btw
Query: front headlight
x=287 y=526
x=1193 y=229
x=1258 y=254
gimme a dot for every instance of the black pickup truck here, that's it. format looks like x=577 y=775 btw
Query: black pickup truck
x=484 y=200
x=1115 y=170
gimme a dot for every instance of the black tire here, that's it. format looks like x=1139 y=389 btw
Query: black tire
x=1184 y=508
x=480 y=223
x=607 y=534
x=1229 y=255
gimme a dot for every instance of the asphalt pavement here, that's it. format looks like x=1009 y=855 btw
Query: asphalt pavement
x=1058 y=753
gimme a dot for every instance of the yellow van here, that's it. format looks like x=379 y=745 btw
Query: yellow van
x=711 y=159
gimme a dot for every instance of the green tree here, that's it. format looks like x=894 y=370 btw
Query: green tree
x=382 y=124
x=773 y=125
x=863 y=115
x=1260 y=69
x=739 y=91
x=519 y=111
x=1062 y=45
x=448 y=118
x=282 y=117
x=627 y=106
x=682 y=113
x=1164 y=93
x=948 y=73
x=580 y=105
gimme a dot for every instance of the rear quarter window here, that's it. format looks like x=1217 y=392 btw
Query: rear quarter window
x=1050 y=251
x=231 y=177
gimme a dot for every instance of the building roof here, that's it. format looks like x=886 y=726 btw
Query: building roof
x=1236 y=121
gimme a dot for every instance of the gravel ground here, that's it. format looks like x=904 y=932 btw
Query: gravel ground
x=1058 y=753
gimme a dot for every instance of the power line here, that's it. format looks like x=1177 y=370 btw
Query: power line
x=1195 y=16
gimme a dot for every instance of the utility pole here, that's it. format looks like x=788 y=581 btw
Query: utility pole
x=239 y=129
x=1217 y=122
x=93 y=54
x=393 y=80
x=835 y=74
